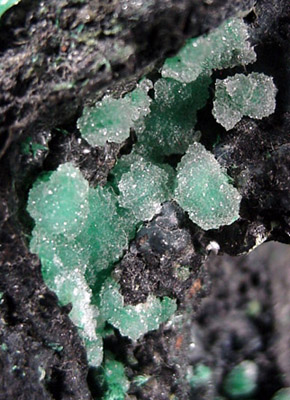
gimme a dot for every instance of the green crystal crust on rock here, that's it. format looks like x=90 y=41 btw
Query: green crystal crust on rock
x=111 y=119
x=107 y=231
x=241 y=95
x=224 y=47
x=203 y=190
x=58 y=202
x=133 y=321
x=169 y=128
x=242 y=380
x=143 y=188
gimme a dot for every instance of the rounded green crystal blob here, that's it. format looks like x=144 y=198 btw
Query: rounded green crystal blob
x=242 y=380
x=143 y=188
x=111 y=119
x=58 y=201
x=203 y=190
x=251 y=95
x=133 y=321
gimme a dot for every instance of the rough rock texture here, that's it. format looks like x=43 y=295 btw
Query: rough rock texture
x=54 y=58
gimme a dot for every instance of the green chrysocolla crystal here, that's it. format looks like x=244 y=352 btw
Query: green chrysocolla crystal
x=242 y=380
x=225 y=47
x=169 y=128
x=111 y=119
x=241 y=95
x=133 y=321
x=203 y=189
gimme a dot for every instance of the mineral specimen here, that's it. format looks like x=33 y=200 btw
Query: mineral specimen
x=169 y=128
x=251 y=95
x=111 y=119
x=133 y=321
x=58 y=201
x=143 y=188
x=226 y=46
x=242 y=380
x=203 y=190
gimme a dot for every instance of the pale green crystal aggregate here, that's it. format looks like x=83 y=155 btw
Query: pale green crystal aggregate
x=58 y=202
x=203 y=189
x=133 y=321
x=79 y=246
x=225 y=47
x=169 y=128
x=143 y=188
x=241 y=95
x=80 y=232
x=111 y=119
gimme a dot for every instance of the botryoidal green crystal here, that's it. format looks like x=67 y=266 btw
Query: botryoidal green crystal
x=203 y=189
x=133 y=321
x=241 y=95
x=225 y=47
x=111 y=119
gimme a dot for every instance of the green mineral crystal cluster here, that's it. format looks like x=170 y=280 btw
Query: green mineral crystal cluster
x=81 y=231
x=240 y=95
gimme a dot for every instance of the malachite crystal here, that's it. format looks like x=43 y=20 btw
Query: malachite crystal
x=133 y=321
x=241 y=95
x=204 y=191
x=224 y=47
x=111 y=119
x=241 y=381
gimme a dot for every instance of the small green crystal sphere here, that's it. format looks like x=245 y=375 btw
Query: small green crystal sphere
x=241 y=381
